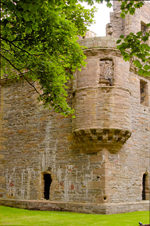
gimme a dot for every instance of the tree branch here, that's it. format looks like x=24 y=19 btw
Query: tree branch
x=22 y=74
x=16 y=46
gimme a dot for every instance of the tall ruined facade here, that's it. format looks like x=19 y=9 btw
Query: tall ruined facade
x=98 y=162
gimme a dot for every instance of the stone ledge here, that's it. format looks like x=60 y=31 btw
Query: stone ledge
x=104 y=42
x=103 y=88
x=106 y=208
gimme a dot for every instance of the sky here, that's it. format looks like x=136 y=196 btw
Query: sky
x=102 y=17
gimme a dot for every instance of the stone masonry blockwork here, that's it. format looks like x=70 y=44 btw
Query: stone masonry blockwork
x=96 y=161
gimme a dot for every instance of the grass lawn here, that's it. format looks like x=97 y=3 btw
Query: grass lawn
x=14 y=216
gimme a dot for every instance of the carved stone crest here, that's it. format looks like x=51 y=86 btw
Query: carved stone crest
x=106 y=72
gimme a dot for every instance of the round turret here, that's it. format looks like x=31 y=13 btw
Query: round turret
x=102 y=100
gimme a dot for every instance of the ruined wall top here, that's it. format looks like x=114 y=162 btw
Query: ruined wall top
x=131 y=23
x=116 y=6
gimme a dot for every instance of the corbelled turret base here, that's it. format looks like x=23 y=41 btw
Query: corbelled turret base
x=94 y=140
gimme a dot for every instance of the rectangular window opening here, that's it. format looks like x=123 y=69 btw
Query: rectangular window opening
x=143 y=92
x=143 y=27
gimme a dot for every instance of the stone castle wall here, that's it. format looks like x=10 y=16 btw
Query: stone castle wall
x=99 y=157
x=37 y=141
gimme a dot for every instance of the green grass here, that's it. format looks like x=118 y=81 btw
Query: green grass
x=14 y=216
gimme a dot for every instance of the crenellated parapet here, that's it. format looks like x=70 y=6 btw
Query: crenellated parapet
x=102 y=99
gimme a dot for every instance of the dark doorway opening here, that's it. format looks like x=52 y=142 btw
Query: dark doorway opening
x=144 y=186
x=47 y=184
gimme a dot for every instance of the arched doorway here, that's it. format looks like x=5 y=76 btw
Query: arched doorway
x=47 y=183
x=145 y=187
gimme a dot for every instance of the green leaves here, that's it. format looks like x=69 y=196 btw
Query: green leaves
x=134 y=48
x=137 y=63
x=129 y=6
x=39 y=43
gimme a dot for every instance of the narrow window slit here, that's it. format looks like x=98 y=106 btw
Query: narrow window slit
x=143 y=93
x=144 y=28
